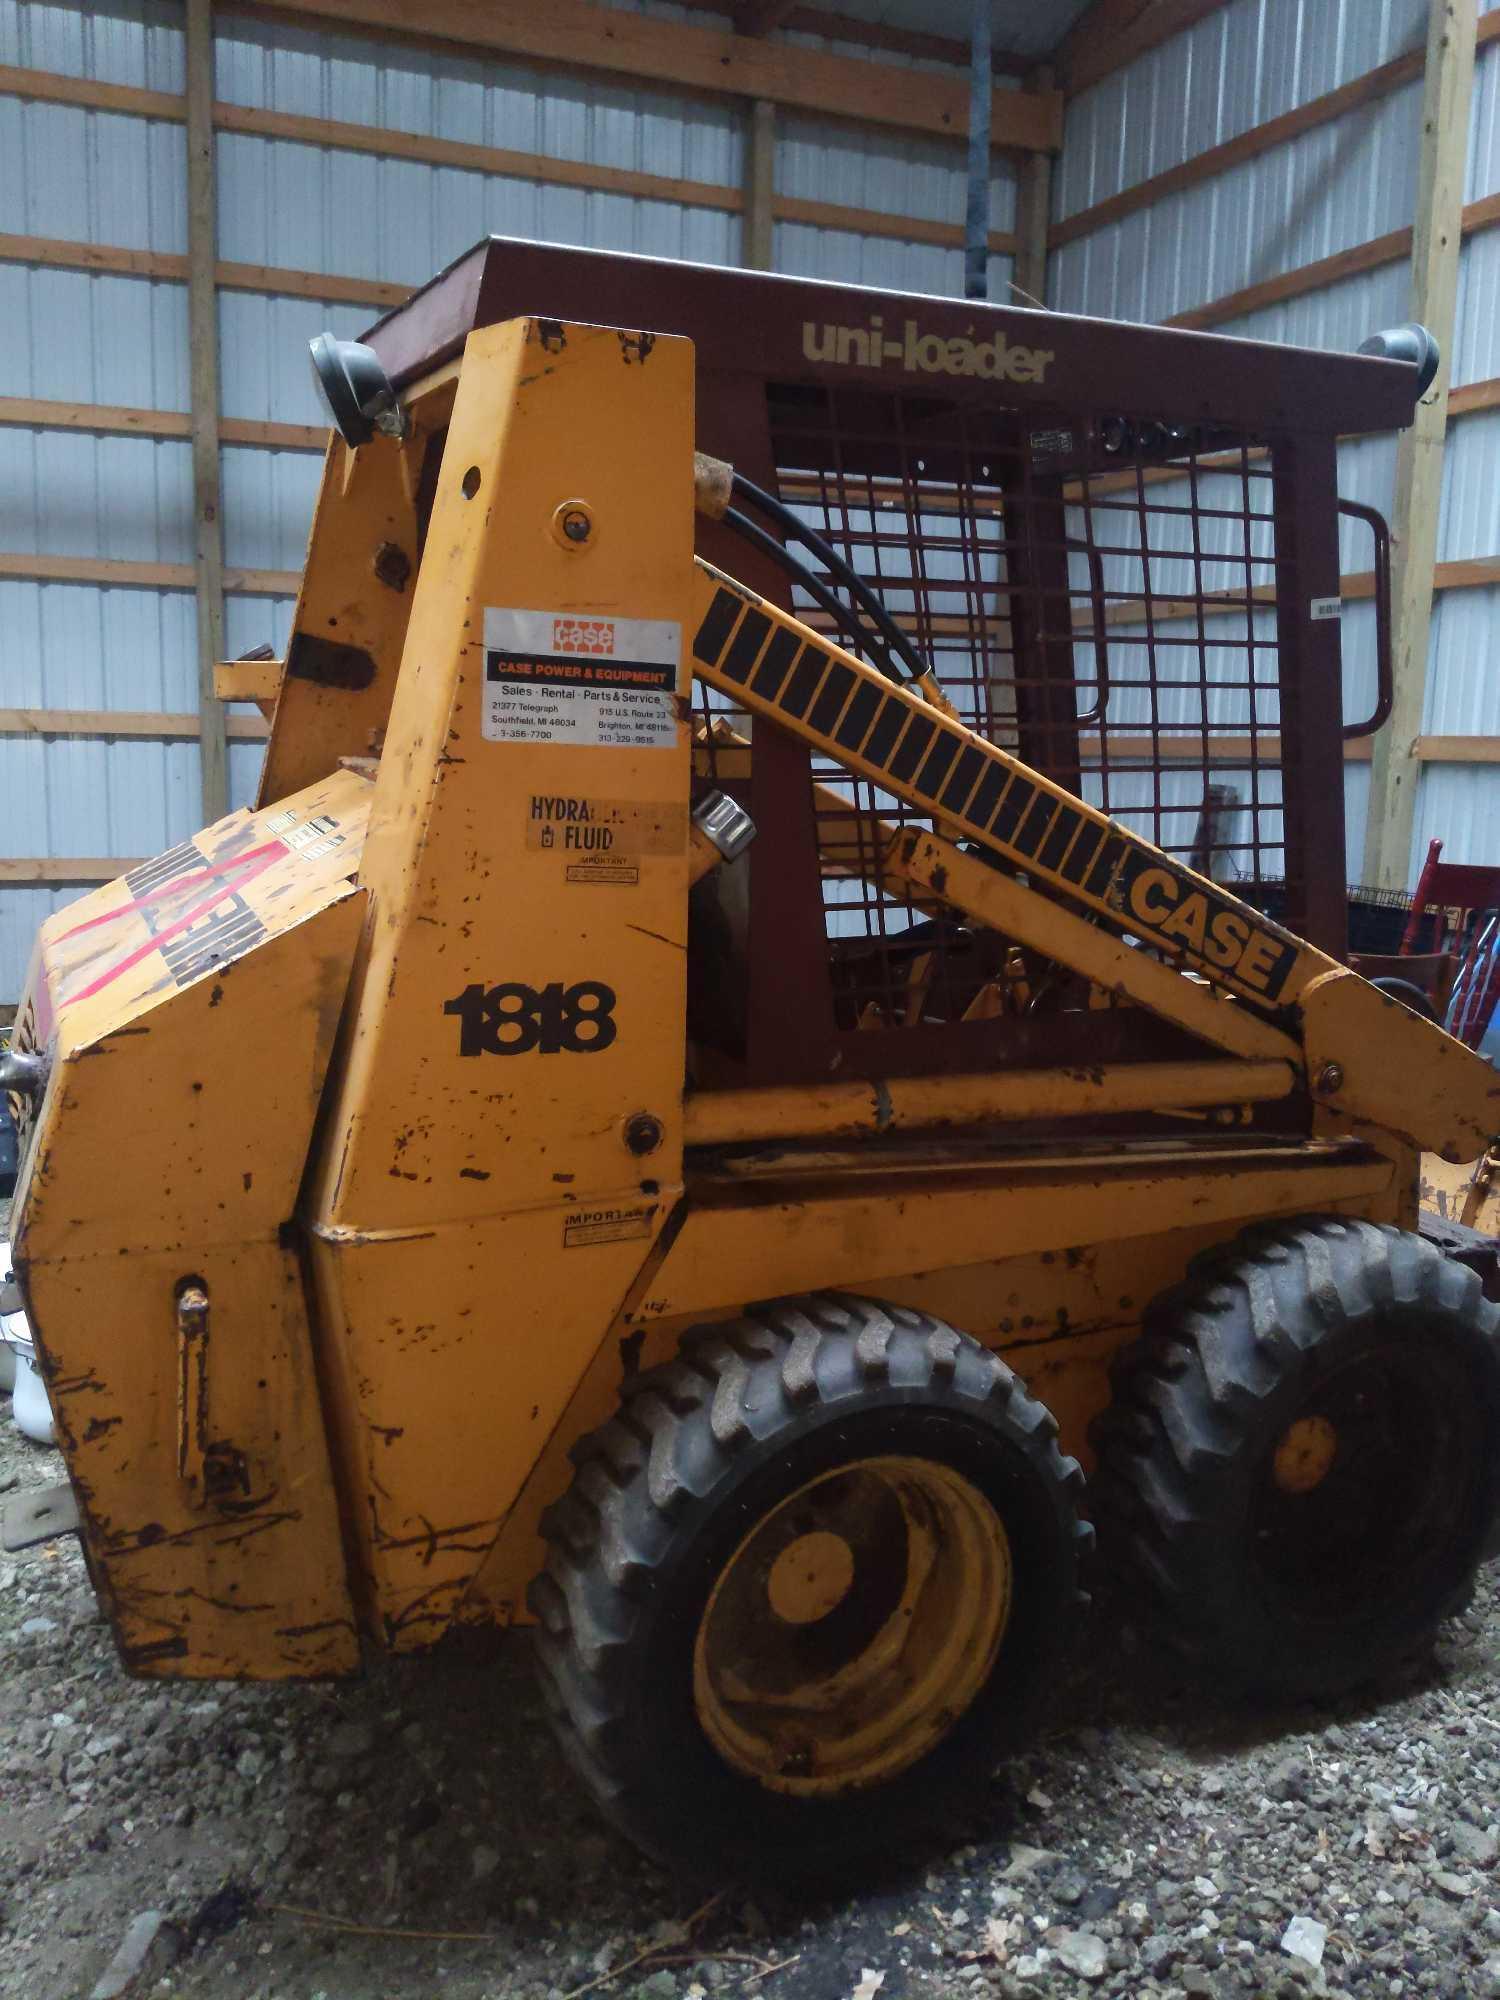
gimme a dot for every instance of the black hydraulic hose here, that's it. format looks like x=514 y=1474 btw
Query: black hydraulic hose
x=841 y=614
x=834 y=563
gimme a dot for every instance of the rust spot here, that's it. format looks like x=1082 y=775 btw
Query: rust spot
x=392 y=566
x=472 y=1174
x=328 y=664
x=550 y=333
x=636 y=347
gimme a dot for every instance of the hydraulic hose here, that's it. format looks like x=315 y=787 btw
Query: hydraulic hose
x=869 y=602
x=821 y=595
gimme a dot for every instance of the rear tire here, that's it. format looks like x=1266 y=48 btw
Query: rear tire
x=1302 y=1461
x=814 y=1573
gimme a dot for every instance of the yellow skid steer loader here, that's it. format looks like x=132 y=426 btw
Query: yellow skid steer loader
x=776 y=1045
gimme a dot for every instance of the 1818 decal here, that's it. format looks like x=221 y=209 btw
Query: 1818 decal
x=516 y=1020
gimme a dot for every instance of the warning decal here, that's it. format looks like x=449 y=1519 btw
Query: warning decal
x=557 y=677
x=605 y=1225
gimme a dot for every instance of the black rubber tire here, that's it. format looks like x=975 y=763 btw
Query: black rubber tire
x=665 y=1493
x=1409 y=995
x=1290 y=1320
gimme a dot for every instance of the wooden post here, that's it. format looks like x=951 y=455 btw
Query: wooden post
x=1033 y=215
x=203 y=347
x=760 y=186
x=1446 y=92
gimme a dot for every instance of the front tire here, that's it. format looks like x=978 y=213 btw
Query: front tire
x=1302 y=1461
x=816 y=1571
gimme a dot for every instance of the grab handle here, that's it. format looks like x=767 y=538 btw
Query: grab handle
x=1101 y=639
x=1384 y=685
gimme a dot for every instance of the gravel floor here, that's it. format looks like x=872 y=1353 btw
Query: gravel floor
x=306 y=1843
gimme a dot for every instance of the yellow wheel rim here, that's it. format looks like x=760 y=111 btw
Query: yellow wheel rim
x=853 y=1626
x=1305 y=1453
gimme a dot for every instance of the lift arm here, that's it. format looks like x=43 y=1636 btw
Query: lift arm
x=1363 y=1055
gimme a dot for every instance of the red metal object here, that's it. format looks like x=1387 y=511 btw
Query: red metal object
x=1458 y=898
x=1118 y=547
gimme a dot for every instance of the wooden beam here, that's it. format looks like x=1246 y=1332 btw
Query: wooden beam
x=872 y=222
x=203 y=403
x=1101 y=23
x=1352 y=96
x=387 y=143
x=1473 y=573
x=109 y=573
x=64 y=254
x=1101 y=54
x=760 y=186
x=1123 y=746
x=1447 y=94
x=127 y=722
x=105 y=420
x=1033 y=209
x=1471 y=396
x=1380 y=250
x=38 y=413
x=384 y=143
x=1387 y=249
x=672 y=54
x=1457 y=749
x=45 y=86
x=52 y=870
x=1259 y=139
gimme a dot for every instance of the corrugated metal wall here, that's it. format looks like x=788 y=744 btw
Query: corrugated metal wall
x=102 y=177
x=1330 y=189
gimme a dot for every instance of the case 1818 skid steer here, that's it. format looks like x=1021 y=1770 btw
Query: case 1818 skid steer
x=541 y=1203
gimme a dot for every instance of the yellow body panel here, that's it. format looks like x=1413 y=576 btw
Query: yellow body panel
x=168 y=1152
x=477 y=1212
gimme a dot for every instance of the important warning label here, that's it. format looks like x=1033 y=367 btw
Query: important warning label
x=605 y=1225
x=554 y=677
x=611 y=871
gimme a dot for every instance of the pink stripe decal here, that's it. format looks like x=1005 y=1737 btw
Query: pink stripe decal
x=210 y=871
x=262 y=857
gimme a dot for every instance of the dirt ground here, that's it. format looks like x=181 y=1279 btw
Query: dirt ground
x=416 y=1834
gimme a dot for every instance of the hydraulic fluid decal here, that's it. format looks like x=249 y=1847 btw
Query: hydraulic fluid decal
x=941 y=767
x=558 y=677
x=516 y=1020
x=598 y=829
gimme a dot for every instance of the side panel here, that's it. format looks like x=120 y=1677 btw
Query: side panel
x=351 y=616
x=1056 y=1311
x=167 y=1159
x=506 y=1139
x=252 y=1583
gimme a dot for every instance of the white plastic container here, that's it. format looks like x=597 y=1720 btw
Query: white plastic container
x=29 y=1404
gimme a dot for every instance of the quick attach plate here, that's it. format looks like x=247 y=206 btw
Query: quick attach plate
x=39 y=1515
